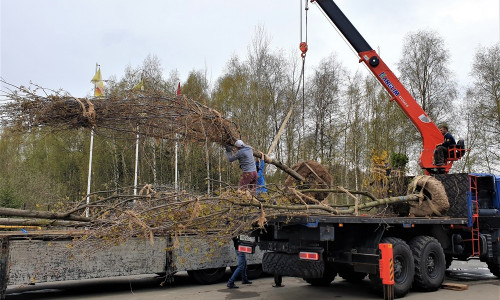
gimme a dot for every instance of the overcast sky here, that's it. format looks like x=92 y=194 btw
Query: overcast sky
x=57 y=43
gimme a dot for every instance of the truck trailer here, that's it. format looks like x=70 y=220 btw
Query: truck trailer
x=48 y=256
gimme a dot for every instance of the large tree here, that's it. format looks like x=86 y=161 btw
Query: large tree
x=486 y=76
x=424 y=71
x=482 y=105
x=325 y=98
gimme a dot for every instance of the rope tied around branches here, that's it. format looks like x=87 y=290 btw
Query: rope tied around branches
x=90 y=113
x=356 y=200
x=196 y=210
x=147 y=190
x=261 y=219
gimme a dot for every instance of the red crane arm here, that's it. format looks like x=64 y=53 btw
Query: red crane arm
x=431 y=135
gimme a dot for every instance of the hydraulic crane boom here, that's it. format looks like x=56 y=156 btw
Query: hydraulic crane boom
x=431 y=136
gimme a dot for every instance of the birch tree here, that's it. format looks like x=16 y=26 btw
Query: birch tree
x=482 y=105
x=425 y=73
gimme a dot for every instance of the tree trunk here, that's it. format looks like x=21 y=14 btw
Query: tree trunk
x=40 y=214
x=280 y=165
x=40 y=222
x=335 y=211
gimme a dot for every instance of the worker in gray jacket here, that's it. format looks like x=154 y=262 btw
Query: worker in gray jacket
x=244 y=155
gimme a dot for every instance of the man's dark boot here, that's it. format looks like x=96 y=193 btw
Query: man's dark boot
x=231 y=285
x=246 y=282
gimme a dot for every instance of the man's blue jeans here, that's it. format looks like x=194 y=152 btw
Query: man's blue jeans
x=241 y=269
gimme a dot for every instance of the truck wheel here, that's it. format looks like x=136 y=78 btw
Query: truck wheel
x=455 y=186
x=352 y=276
x=207 y=276
x=404 y=268
x=430 y=263
x=494 y=268
x=328 y=276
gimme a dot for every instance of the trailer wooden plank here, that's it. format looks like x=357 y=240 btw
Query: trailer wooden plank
x=454 y=286
x=35 y=260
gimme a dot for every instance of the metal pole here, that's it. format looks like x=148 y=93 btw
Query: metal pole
x=90 y=158
x=90 y=169
x=220 y=173
x=176 y=176
x=136 y=162
x=176 y=184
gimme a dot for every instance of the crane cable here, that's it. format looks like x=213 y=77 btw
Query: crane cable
x=303 y=44
x=303 y=48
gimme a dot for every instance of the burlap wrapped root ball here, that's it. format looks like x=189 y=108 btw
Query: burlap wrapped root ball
x=435 y=202
x=317 y=177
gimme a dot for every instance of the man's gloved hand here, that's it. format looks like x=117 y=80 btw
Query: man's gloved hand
x=228 y=148
x=261 y=155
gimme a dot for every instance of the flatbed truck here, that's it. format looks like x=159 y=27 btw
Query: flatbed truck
x=317 y=248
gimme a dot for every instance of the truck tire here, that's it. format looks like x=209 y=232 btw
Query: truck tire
x=328 y=276
x=352 y=276
x=285 y=264
x=404 y=268
x=430 y=263
x=207 y=276
x=456 y=186
x=494 y=268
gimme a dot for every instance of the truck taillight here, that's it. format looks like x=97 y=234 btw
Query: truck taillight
x=309 y=255
x=245 y=249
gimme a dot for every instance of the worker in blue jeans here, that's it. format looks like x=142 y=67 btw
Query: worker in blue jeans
x=240 y=270
x=261 y=182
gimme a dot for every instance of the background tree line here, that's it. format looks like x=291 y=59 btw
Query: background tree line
x=342 y=119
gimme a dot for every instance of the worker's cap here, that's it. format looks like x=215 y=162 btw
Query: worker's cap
x=239 y=143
